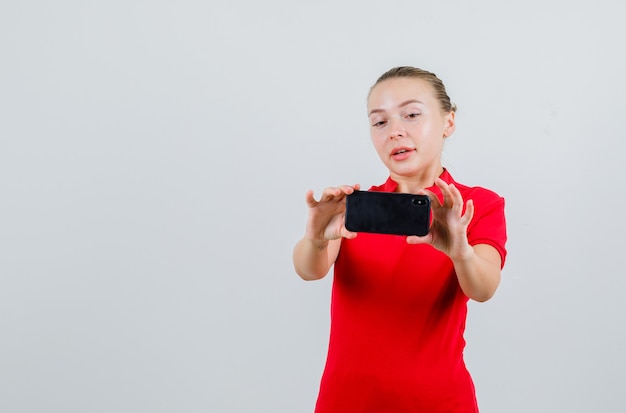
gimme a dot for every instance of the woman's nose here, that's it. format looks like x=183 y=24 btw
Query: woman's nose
x=396 y=129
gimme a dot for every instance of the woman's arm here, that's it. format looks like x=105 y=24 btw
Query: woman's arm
x=479 y=272
x=312 y=259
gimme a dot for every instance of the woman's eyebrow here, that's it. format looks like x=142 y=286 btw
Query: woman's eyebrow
x=408 y=102
x=405 y=103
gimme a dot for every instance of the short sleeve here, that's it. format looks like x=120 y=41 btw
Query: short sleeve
x=488 y=225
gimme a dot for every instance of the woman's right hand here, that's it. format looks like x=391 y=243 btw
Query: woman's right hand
x=327 y=216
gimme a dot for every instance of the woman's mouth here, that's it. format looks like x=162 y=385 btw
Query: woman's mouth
x=400 y=154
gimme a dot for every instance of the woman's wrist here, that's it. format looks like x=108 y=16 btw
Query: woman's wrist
x=318 y=244
x=463 y=255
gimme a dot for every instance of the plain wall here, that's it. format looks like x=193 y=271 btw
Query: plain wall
x=154 y=158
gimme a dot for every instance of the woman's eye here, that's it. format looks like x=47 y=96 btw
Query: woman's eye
x=379 y=123
x=412 y=115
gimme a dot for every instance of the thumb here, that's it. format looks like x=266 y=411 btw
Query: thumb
x=414 y=239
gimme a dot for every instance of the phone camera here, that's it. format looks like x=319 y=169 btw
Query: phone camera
x=418 y=201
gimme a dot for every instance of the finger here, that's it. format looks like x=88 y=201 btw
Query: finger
x=434 y=199
x=448 y=198
x=348 y=189
x=456 y=199
x=348 y=234
x=310 y=199
x=438 y=194
x=330 y=193
x=452 y=196
x=338 y=193
x=469 y=212
x=414 y=239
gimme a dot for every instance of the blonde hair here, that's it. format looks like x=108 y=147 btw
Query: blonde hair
x=414 y=72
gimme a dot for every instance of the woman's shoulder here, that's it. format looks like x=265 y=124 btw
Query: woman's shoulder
x=476 y=192
x=479 y=192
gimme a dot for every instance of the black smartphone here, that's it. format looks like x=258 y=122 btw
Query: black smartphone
x=387 y=213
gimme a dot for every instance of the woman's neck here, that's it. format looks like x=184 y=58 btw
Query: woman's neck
x=414 y=183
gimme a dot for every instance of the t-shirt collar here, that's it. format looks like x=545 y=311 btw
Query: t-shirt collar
x=390 y=185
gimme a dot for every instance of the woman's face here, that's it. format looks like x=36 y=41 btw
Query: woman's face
x=408 y=127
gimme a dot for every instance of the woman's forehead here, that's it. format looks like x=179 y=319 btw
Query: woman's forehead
x=401 y=90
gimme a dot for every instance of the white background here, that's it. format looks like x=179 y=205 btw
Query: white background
x=154 y=158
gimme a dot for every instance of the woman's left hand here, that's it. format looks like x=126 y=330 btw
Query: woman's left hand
x=448 y=231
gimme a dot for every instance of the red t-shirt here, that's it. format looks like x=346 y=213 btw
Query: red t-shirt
x=398 y=317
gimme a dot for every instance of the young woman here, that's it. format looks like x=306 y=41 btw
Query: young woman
x=399 y=304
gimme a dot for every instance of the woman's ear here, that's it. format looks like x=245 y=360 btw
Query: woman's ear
x=449 y=125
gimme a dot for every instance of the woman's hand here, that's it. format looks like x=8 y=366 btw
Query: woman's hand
x=477 y=268
x=314 y=254
x=326 y=216
x=448 y=232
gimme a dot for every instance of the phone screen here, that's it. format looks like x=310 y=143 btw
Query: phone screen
x=388 y=213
